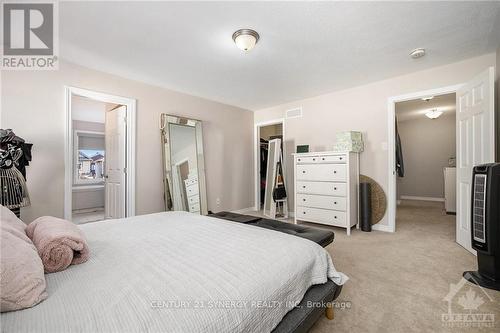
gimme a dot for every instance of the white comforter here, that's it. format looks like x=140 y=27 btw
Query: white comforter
x=178 y=272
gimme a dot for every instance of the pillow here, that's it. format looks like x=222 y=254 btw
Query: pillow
x=12 y=220
x=22 y=280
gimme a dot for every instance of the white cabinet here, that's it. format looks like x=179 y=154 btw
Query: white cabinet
x=326 y=188
x=450 y=190
x=192 y=193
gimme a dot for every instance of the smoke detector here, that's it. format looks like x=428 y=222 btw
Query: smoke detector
x=417 y=53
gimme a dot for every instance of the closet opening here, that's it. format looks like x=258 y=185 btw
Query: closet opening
x=425 y=164
x=265 y=132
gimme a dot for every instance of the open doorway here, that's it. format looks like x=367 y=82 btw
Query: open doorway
x=100 y=153
x=264 y=133
x=475 y=144
x=426 y=163
x=89 y=150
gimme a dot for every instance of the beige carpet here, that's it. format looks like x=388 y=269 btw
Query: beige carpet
x=398 y=281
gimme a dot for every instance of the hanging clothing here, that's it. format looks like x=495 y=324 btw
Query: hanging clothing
x=15 y=155
x=400 y=168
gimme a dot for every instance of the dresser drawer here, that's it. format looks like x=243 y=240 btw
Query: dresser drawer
x=307 y=159
x=324 y=188
x=321 y=201
x=191 y=181
x=192 y=190
x=322 y=159
x=321 y=172
x=193 y=199
x=194 y=208
x=324 y=216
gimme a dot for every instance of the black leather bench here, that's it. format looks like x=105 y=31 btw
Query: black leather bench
x=320 y=236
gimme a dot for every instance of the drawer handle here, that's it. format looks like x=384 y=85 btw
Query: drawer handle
x=303 y=186
x=340 y=158
x=303 y=199
x=299 y=160
x=304 y=171
x=314 y=159
x=303 y=212
x=334 y=171
x=335 y=189
x=335 y=202
x=335 y=217
x=323 y=158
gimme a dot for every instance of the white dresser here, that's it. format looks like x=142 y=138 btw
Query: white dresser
x=326 y=188
x=192 y=192
x=450 y=190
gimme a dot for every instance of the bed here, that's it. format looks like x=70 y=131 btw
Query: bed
x=181 y=272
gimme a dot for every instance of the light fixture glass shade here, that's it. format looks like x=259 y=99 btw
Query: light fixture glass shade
x=245 y=42
x=433 y=114
x=245 y=39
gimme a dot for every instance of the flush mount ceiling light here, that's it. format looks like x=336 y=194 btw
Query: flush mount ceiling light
x=433 y=114
x=417 y=53
x=245 y=39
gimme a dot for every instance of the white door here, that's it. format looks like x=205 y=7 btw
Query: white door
x=475 y=143
x=114 y=206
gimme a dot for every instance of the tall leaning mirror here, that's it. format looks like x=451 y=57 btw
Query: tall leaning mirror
x=183 y=164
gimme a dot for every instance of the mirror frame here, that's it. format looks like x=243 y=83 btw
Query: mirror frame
x=165 y=121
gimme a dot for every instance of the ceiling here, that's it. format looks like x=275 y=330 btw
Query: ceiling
x=306 y=48
x=416 y=109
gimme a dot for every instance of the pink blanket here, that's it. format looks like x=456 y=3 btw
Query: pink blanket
x=60 y=243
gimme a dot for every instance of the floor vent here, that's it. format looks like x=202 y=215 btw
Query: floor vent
x=293 y=113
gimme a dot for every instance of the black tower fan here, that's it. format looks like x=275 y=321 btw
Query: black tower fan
x=485 y=225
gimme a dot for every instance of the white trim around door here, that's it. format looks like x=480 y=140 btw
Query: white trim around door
x=130 y=103
x=256 y=136
x=391 y=144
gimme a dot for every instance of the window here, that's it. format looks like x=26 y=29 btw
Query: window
x=90 y=157
x=90 y=164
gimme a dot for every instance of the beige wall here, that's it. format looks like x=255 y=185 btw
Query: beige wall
x=363 y=108
x=80 y=125
x=427 y=145
x=271 y=130
x=33 y=105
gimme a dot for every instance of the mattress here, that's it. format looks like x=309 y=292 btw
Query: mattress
x=178 y=272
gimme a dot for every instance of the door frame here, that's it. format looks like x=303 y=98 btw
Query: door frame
x=257 y=127
x=391 y=144
x=130 y=140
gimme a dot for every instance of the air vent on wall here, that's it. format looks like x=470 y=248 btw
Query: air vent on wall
x=293 y=113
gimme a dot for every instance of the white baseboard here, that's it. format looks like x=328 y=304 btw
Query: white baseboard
x=382 y=227
x=411 y=197
x=244 y=210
